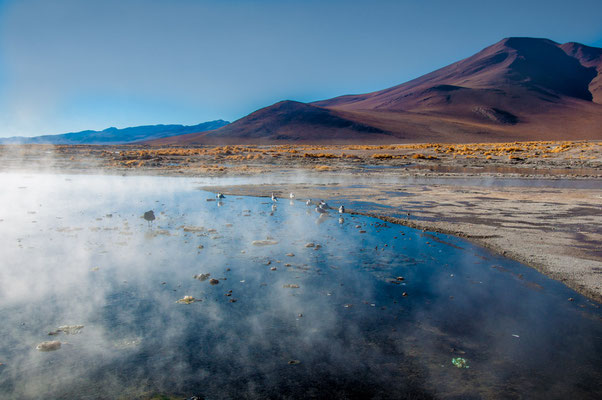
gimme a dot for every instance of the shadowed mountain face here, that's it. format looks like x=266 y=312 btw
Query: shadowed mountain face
x=590 y=57
x=516 y=89
x=283 y=122
x=117 y=136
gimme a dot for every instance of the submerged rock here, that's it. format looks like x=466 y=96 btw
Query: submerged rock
x=187 y=300
x=50 y=345
x=127 y=343
x=291 y=286
x=266 y=242
x=202 y=277
x=310 y=244
x=460 y=362
x=213 y=281
x=71 y=329
x=187 y=228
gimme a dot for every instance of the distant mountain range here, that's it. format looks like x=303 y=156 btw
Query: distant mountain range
x=118 y=136
x=516 y=89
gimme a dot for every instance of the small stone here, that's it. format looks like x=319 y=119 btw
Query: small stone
x=70 y=329
x=201 y=277
x=264 y=242
x=187 y=300
x=213 y=281
x=51 y=345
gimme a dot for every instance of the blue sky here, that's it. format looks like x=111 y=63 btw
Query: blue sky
x=69 y=65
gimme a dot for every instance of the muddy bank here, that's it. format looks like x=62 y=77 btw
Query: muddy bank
x=556 y=231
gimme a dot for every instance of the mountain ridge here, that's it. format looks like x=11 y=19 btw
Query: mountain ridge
x=516 y=89
x=114 y=135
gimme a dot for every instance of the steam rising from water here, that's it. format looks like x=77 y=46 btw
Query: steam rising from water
x=76 y=251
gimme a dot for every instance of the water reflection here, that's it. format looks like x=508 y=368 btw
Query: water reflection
x=288 y=302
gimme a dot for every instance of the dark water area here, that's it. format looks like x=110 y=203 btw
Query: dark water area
x=371 y=310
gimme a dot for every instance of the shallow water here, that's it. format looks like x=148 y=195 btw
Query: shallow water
x=75 y=251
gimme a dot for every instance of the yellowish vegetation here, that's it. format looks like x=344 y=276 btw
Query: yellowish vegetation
x=193 y=157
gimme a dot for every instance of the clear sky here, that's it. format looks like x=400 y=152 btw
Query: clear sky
x=70 y=65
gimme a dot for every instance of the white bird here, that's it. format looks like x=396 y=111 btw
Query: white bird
x=274 y=198
x=341 y=209
x=308 y=202
x=220 y=196
x=292 y=195
x=320 y=210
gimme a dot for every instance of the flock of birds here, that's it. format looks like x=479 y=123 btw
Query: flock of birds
x=321 y=208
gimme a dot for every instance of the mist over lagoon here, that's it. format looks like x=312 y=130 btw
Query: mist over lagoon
x=345 y=307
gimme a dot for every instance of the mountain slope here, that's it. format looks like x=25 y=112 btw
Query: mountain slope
x=508 y=76
x=516 y=89
x=117 y=136
x=285 y=121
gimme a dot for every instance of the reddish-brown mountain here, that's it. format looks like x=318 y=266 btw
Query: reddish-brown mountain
x=516 y=89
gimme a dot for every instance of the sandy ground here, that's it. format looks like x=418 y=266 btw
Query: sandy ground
x=553 y=229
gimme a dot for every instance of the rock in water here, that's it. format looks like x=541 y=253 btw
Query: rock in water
x=266 y=242
x=71 y=329
x=187 y=300
x=50 y=345
x=202 y=277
